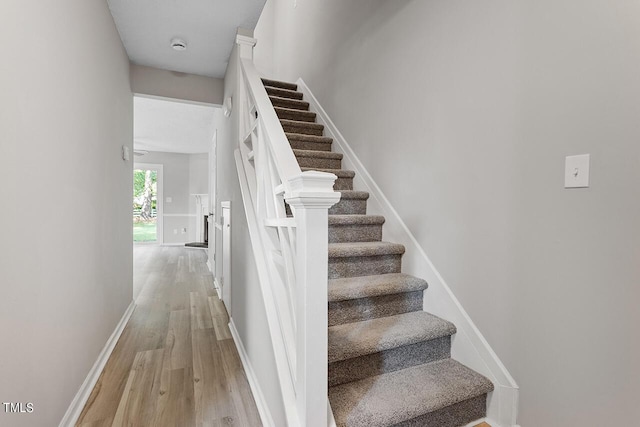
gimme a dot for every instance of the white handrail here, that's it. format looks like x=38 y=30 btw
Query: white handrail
x=290 y=245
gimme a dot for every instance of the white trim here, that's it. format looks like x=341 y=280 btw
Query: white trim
x=468 y=344
x=81 y=397
x=216 y=286
x=159 y=196
x=226 y=275
x=258 y=395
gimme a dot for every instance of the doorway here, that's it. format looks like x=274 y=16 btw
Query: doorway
x=147 y=203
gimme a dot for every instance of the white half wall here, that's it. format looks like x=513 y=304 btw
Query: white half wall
x=66 y=254
x=248 y=310
x=463 y=112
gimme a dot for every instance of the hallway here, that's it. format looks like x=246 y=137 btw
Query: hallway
x=175 y=363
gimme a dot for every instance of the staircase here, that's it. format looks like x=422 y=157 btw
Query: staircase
x=389 y=362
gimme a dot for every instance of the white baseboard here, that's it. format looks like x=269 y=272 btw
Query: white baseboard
x=77 y=404
x=216 y=286
x=261 y=403
x=468 y=344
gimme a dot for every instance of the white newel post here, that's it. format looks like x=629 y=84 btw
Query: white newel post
x=245 y=46
x=311 y=196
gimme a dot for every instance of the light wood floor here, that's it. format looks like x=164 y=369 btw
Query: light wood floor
x=175 y=363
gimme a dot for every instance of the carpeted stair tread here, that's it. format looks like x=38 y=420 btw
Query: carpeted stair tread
x=309 y=138
x=354 y=194
x=340 y=173
x=279 y=84
x=295 y=104
x=389 y=361
x=351 y=202
x=317 y=154
x=283 y=93
x=307 y=128
x=301 y=141
x=293 y=114
x=318 y=159
x=372 y=286
x=362 y=249
x=383 y=333
x=356 y=219
x=399 y=396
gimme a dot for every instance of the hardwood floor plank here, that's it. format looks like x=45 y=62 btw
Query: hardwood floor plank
x=210 y=385
x=217 y=307
x=173 y=364
x=118 y=420
x=138 y=403
x=244 y=403
x=178 y=341
x=97 y=423
x=220 y=319
x=113 y=378
x=173 y=406
x=200 y=315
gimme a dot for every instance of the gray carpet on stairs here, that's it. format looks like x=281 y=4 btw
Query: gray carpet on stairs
x=389 y=361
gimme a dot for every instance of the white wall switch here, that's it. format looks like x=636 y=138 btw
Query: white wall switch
x=576 y=171
x=168 y=200
x=125 y=153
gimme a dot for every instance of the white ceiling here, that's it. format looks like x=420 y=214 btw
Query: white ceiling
x=170 y=126
x=146 y=28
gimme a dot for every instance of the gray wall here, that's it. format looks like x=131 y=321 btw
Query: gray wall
x=66 y=253
x=463 y=112
x=175 y=85
x=183 y=175
x=247 y=311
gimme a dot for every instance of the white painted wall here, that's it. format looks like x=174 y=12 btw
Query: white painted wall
x=184 y=175
x=463 y=113
x=199 y=173
x=66 y=253
x=175 y=85
x=247 y=304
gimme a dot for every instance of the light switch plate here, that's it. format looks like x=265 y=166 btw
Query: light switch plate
x=576 y=171
x=168 y=200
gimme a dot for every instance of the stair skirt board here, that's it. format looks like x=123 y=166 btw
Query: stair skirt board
x=469 y=347
x=389 y=361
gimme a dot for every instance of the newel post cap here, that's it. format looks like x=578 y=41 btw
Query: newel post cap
x=245 y=44
x=312 y=190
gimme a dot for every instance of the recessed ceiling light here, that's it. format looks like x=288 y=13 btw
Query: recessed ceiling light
x=178 y=44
